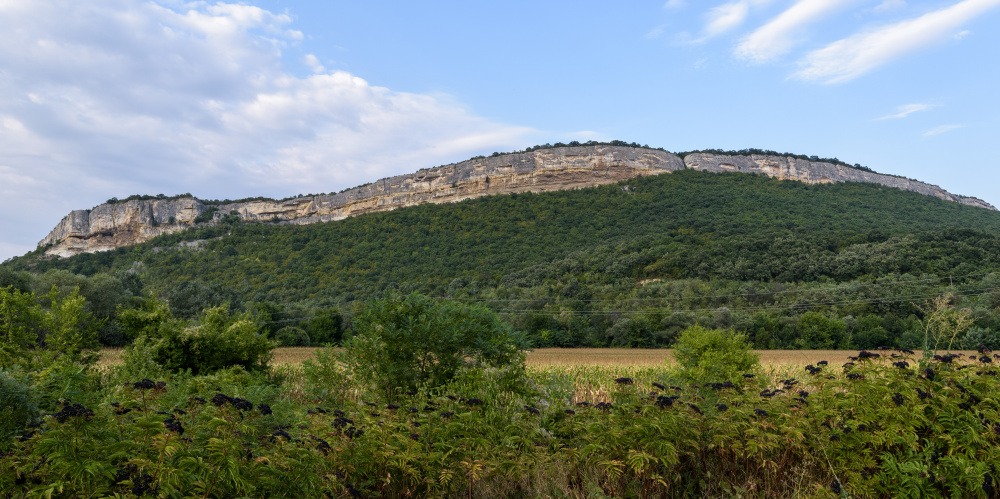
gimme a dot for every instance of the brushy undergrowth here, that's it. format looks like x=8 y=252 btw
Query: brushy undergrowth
x=882 y=425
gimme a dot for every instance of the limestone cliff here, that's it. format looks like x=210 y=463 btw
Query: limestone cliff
x=110 y=226
x=812 y=172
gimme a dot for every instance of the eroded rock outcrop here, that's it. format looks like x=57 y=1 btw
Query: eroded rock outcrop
x=110 y=226
x=787 y=168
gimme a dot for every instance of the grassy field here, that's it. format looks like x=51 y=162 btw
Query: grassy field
x=607 y=357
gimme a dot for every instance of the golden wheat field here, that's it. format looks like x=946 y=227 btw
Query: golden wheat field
x=554 y=357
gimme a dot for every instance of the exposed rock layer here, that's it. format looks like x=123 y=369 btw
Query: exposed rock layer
x=110 y=226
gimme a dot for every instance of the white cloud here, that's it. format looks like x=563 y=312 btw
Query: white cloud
x=675 y=4
x=906 y=110
x=656 y=32
x=726 y=17
x=313 y=62
x=858 y=54
x=962 y=34
x=889 y=6
x=118 y=97
x=942 y=129
x=779 y=35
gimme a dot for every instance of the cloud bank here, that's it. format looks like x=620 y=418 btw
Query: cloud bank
x=116 y=97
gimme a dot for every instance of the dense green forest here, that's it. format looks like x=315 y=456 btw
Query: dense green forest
x=789 y=264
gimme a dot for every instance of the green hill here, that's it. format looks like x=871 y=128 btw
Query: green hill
x=628 y=264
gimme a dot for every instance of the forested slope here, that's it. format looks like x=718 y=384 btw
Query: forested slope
x=624 y=264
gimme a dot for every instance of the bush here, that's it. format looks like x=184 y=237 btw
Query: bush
x=714 y=354
x=402 y=342
x=325 y=327
x=325 y=378
x=220 y=341
x=16 y=407
x=292 y=336
x=20 y=320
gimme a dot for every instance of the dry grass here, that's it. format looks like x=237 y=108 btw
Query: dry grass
x=110 y=356
x=293 y=355
x=553 y=357
x=546 y=357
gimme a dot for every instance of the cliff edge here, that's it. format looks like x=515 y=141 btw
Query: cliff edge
x=114 y=225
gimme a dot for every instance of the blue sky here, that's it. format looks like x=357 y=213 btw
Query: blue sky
x=278 y=97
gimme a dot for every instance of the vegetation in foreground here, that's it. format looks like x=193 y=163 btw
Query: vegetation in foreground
x=886 y=424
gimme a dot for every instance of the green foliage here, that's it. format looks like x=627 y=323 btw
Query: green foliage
x=70 y=330
x=17 y=408
x=292 y=336
x=402 y=342
x=218 y=341
x=147 y=197
x=20 y=320
x=881 y=428
x=207 y=215
x=30 y=335
x=714 y=355
x=19 y=281
x=189 y=298
x=325 y=377
x=144 y=320
x=817 y=331
x=104 y=295
x=325 y=327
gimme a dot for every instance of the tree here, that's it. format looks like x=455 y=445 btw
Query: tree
x=20 y=281
x=402 y=342
x=20 y=319
x=220 y=340
x=325 y=327
x=943 y=323
x=820 y=332
x=714 y=355
x=72 y=331
x=292 y=336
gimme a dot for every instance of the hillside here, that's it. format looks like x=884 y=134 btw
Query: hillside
x=622 y=264
x=136 y=219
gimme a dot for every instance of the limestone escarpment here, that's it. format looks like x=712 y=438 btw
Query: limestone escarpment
x=110 y=226
x=814 y=172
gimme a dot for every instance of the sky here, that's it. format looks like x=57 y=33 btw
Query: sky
x=109 y=98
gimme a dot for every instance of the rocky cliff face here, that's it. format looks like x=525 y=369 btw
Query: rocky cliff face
x=110 y=226
x=818 y=173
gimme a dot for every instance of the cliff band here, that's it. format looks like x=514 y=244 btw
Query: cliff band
x=114 y=225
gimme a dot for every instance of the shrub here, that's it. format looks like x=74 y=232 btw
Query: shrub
x=291 y=336
x=325 y=377
x=402 y=342
x=714 y=354
x=325 y=327
x=220 y=341
x=20 y=319
x=207 y=215
x=16 y=407
x=71 y=331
